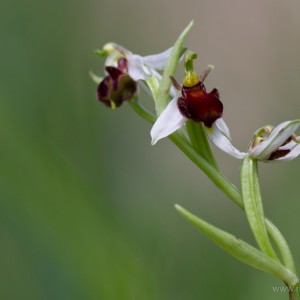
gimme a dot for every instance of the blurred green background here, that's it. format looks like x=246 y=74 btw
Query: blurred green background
x=86 y=204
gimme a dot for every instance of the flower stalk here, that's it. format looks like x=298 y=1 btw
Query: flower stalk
x=198 y=138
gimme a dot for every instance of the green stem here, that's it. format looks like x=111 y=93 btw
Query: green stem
x=294 y=292
x=214 y=175
x=199 y=141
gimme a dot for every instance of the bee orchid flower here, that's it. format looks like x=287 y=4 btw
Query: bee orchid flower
x=195 y=103
x=123 y=70
x=268 y=144
x=276 y=144
x=117 y=86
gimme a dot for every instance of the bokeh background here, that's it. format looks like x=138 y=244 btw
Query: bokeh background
x=86 y=204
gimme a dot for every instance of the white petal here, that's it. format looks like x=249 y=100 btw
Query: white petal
x=169 y=121
x=220 y=123
x=136 y=69
x=289 y=146
x=291 y=155
x=277 y=137
x=157 y=61
x=221 y=140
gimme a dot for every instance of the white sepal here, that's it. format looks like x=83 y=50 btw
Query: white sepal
x=219 y=137
x=136 y=68
x=157 y=61
x=220 y=123
x=168 y=122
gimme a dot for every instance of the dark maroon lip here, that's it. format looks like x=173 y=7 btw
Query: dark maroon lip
x=117 y=86
x=198 y=105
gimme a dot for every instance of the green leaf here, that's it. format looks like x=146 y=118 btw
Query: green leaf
x=165 y=84
x=253 y=205
x=282 y=246
x=141 y=110
x=240 y=249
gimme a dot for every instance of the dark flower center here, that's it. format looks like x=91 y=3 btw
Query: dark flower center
x=117 y=86
x=198 y=105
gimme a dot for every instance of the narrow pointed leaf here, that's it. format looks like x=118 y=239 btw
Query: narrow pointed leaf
x=253 y=205
x=282 y=246
x=165 y=84
x=240 y=249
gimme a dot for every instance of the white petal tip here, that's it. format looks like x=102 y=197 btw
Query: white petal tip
x=221 y=140
x=153 y=142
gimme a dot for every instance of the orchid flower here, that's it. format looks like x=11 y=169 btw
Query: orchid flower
x=276 y=144
x=268 y=144
x=123 y=70
x=117 y=86
x=194 y=103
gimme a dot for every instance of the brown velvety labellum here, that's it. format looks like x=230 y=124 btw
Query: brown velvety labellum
x=198 y=105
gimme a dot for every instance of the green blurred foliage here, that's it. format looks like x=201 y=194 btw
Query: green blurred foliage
x=86 y=207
